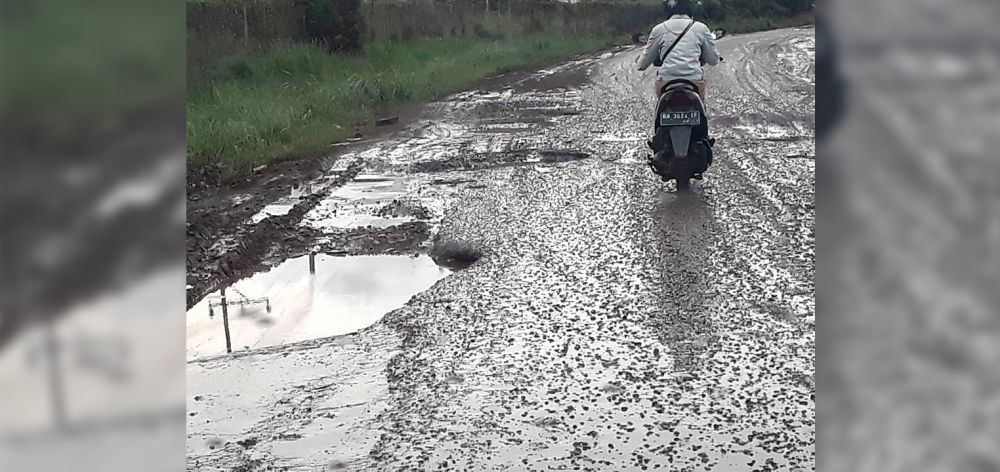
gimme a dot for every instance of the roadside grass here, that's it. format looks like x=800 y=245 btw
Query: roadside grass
x=69 y=77
x=298 y=99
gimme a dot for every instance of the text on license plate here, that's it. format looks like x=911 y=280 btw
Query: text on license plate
x=680 y=118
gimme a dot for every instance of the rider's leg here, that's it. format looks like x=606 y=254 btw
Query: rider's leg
x=701 y=92
x=657 y=85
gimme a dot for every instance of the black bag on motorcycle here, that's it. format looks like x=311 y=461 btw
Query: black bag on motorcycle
x=699 y=151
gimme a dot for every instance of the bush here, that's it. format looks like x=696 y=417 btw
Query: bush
x=734 y=24
x=636 y=17
x=712 y=10
x=335 y=24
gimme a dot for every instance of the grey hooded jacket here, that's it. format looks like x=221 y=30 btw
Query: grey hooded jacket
x=684 y=62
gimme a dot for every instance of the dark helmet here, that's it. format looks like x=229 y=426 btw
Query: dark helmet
x=679 y=7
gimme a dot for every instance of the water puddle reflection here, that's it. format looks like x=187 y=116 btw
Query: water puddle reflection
x=369 y=200
x=283 y=205
x=344 y=295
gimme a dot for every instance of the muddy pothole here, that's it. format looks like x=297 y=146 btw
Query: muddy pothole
x=497 y=159
x=377 y=201
x=343 y=295
x=455 y=255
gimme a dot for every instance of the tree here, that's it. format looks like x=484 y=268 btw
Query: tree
x=711 y=10
x=336 y=24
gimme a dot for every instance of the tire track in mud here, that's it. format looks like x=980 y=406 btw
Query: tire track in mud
x=760 y=168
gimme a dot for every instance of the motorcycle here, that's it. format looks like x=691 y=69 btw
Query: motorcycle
x=681 y=145
x=682 y=149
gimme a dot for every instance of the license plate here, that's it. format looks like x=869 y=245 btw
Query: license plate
x=677 y=118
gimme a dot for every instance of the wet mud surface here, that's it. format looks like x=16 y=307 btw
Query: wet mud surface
x=605 y=321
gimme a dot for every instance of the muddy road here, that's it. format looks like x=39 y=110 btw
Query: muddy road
x=610 y=324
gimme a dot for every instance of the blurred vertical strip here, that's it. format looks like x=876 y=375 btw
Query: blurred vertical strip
x=91 y=235
x=830 y=86
x=908 y=239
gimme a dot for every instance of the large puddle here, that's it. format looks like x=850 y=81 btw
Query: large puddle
x=344 y=295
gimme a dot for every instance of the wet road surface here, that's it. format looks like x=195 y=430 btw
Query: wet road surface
x=611 y=323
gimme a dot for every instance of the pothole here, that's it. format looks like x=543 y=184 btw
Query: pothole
x=284 y=204
x=343 y=295
x=370 y=201
x=455 y=255
x=562 y=155
x=493 y=160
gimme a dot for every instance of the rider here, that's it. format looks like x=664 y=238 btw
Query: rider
x=694 y=49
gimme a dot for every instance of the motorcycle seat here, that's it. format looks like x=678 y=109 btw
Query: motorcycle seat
x=679 y=83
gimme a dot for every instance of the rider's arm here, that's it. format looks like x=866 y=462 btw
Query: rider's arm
x=649 y=55
x=709 y=55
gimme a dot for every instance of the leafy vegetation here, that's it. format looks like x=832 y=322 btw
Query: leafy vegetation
x=298 y=99
x=74 y=69
x=737 y=25
x=751 y=10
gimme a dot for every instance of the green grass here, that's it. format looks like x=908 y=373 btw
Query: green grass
x=297 y=100
x=72 y=69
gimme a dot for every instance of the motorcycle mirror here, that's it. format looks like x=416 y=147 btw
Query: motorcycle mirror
x=719 y=33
